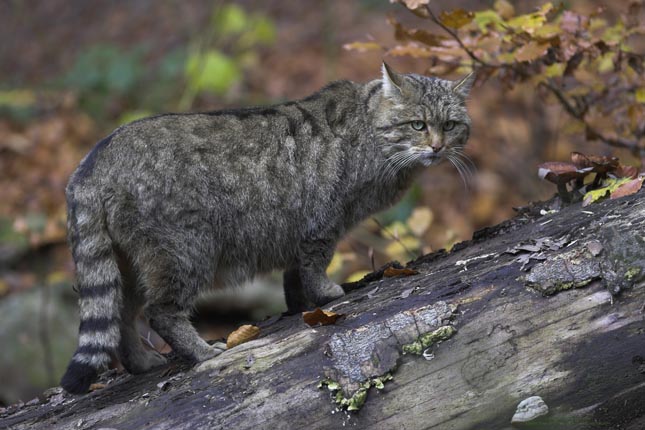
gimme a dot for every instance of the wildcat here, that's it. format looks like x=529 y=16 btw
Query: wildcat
x=168 y=206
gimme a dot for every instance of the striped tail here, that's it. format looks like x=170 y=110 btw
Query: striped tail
x=99 y=288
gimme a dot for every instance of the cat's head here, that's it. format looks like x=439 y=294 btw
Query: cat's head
x=421 y=120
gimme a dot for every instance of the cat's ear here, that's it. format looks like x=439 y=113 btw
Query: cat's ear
x=463 y=86
x=392 y=82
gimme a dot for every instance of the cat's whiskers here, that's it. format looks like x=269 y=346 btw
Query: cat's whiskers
x=463 y=164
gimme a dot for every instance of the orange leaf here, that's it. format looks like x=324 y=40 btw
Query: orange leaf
x=320 y=317
x=391 y=272
x=243 y=334
x=628 y=188
x=96 y=386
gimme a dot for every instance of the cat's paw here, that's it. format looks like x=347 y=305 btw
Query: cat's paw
x=143 y=361
x=209 y=352
x=328 y=293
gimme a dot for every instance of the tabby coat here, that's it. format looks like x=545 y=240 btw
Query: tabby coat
x=168 y=206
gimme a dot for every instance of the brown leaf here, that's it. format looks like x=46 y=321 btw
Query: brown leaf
x=241 y=335
x=97 y=386
x=505 y=9
x=412 y=50
x=362 y=46
x=626 y=172
x=559 y=172
x=598 y=163
x=320 y=317
x=392 y=271
x=531 y=51
x=628 y=188
x=456 y=18
x=413 y=34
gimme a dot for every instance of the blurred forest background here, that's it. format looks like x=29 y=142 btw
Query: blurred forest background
x=72 y=70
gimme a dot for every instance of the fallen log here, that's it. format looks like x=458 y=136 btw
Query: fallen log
x=547 y=304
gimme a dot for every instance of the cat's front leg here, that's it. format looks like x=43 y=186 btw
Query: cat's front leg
x=315 y=256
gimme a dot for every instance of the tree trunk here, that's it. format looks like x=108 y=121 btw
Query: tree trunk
x=548 y=306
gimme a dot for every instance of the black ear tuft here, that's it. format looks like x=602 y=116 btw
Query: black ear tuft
x=78 y=377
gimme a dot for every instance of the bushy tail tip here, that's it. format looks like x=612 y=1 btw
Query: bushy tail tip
x=78 y=377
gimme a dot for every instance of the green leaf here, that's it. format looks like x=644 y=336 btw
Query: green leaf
x=212 y=71
x=610 y=185
x=263 y=29
x=133 y=115
x=488 y=18
x=230 y=19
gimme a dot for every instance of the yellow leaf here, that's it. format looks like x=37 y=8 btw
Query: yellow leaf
x=336 y=264
x=420 y=220
x=457 y=18
x=357 y=276
x=400 y=250
x=606 y=62
x=487 y=18
x=610 y=185
x=362 y=46
x=505 y=9
x=640 y=95
x=555 y=70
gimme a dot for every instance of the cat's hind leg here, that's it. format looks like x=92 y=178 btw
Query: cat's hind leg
x=175 y=283
x=134 y=356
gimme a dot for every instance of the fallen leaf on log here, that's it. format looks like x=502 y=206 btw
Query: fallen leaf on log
x=96 y=386
x=392 y=271
x=320 y=317
x=243 y=334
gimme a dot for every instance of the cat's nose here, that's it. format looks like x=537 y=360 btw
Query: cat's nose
x=436 y=145
x=435 y=141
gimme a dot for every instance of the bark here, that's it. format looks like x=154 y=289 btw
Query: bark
x=542 y=305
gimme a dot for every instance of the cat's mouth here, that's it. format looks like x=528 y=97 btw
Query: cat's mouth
x=428 y=158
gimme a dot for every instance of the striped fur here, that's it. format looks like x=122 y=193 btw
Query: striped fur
x=168 y=206
x=99 y=288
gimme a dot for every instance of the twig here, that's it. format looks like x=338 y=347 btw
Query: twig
x=455 y=36
x=393 y=236
x=591 y=131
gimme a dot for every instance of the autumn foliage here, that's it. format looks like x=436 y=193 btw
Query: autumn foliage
x=587 y=62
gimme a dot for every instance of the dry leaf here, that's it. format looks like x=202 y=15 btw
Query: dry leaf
x=391 y=272
x=628 y=188
x=362 y=46
x=531 y=51
x=559 y=172
x=96 y=386
x=320 y=317
x=456 y=18
x=505 y=9
x=243 y=334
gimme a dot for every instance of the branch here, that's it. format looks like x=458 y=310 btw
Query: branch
x=455 y=36
x=616 y=142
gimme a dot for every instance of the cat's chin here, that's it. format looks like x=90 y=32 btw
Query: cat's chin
x=428 y=160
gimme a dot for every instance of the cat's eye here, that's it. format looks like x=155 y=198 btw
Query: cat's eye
x=418 y=125
x=449 y=125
